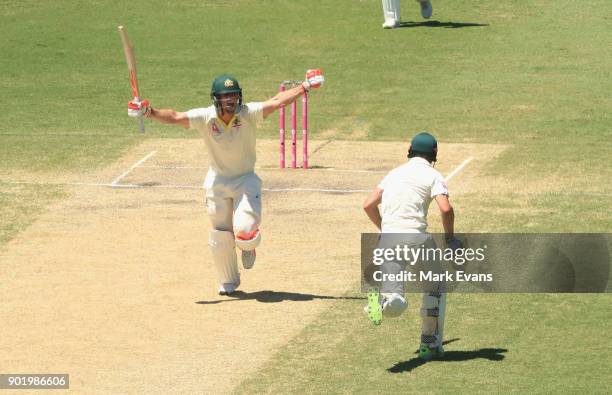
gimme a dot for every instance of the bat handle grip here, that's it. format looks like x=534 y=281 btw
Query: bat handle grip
x=141 y=126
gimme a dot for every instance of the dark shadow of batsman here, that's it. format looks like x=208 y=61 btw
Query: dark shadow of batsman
x=492 y=354
x=448 y=25
x=275 y=297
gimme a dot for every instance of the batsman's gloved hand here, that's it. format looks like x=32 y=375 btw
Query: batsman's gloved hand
x=453 y=243
x=139 y=108
x=314 y=79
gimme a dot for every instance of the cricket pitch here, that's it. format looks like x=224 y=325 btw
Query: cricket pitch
x=115 y=285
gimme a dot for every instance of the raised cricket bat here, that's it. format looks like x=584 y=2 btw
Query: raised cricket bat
x=128 y=50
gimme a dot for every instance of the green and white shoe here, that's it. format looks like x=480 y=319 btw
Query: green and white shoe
x=427 y=354
x=374 y=308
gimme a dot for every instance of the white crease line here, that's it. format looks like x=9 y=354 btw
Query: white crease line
x=135 y=165
x=196 y=187
x=316 y=190
x=328 y=190
x=459 y=168
x=175 y=167
x=330 y=169
x=161 y=186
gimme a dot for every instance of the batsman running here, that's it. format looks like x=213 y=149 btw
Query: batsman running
x=233 y=190
x=404 y=196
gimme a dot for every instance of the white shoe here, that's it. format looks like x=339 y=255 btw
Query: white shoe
x=248 y=259
x=390 y=24
x=426 y=8
x=228 y=288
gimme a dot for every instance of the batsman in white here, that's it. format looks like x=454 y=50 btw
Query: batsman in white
x=404 y=196
x=391 y=11
x=233 y=190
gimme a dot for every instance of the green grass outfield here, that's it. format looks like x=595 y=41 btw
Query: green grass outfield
x=536 y=75
x=498 y=344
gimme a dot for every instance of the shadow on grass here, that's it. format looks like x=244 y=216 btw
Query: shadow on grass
x=448 y=25
x=275 y=297
x=492 y=354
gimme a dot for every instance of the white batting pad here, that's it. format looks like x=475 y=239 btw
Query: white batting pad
x=224 y=256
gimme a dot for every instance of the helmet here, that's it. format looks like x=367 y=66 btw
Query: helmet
x=222 y=84
x=425 y=145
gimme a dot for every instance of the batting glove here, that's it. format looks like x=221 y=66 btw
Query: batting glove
x=313 y=79
x=137 y=108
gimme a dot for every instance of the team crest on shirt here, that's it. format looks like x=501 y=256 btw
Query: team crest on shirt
x=236 y=123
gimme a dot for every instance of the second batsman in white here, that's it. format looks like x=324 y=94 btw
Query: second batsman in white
x=233 y=190
x=399 y=206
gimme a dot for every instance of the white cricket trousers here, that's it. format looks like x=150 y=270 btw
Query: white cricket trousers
x=234 y=205
x=234 y=208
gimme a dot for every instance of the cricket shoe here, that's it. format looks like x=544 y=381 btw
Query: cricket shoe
x=390 y=24
x=248 y=259
x=426 y=8
x=228 y=288
x=427 y=353
x=374 y=307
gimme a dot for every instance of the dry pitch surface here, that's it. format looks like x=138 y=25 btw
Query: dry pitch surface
x=115 y=284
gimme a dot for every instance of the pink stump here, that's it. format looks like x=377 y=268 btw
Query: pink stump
x=305 y=131
x=282 y=131
x=293 y=135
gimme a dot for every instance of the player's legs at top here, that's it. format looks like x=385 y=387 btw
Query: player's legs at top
x=391 y=11
x=426 y=8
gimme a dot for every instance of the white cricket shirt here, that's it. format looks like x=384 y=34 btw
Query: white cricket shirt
x=231 y=147
x=407 y=193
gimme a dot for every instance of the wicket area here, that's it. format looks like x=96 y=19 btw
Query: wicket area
x=283 y=86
